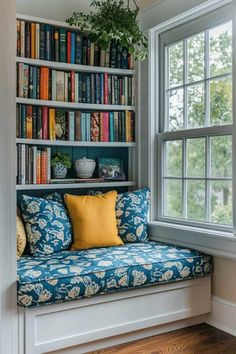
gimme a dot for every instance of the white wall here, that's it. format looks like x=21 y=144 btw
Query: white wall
x=8 y=308
x=54 y=9
x=224 y=284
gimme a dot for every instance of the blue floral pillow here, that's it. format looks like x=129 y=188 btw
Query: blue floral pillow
x=132 y=210
x=48 y=227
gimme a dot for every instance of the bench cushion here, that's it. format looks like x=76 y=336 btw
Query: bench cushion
x=69 y=275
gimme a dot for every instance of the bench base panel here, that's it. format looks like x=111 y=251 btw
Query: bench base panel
x=106 y=320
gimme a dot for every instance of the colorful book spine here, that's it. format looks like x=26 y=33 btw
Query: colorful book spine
x=52 y=124
x=111 y=127
x=71 y=126
x=62 y=40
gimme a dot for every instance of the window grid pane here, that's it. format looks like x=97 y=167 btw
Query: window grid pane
x=187 y=183
x=186 y=84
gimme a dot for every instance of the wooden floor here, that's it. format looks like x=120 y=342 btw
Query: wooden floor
x=201 y=339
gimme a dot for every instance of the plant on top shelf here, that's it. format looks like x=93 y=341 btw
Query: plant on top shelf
x=60 y=163
x=113 y=20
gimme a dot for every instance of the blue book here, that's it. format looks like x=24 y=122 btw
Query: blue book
x=111 y=127
x=23 y=121
x=78 y=48
x=88 y=89
x=42 y=42
x=71 y=126
x=34 y=82
x=88 y=119
x=72 y=48
x=83 y=126
x=48 y=39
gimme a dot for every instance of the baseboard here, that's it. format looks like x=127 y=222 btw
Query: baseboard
x=223 y=315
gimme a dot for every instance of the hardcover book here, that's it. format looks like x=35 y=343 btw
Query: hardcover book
x=95 y=126
x=60 y=125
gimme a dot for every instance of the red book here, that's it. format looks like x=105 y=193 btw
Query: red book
x=43 y=167
x=105 y=126
x=45 y=123
x=38 y=168
x=72 y=86
x=105 y=88
x=44 y=83
x=68 y=40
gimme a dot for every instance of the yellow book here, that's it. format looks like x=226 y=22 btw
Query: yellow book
x=52 y=124
x=33 y=40
x=128 y=126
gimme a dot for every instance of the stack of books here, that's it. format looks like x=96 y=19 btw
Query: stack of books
x=47 y=84
x=46 y=42
x=37 y=122
x=33 y=165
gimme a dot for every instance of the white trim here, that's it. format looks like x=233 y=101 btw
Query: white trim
x=196 y=11
x=213 y=242
x=223 y=315
x=55 y=327
x=168 y=232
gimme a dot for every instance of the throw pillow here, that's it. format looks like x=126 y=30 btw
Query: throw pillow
x=20 y=235
x=48 y=227
x=132 y=210
x=93 y=220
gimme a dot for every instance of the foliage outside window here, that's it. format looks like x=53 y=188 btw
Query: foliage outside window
x=196 y=140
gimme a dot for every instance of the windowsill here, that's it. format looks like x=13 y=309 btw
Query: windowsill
x=216 y=243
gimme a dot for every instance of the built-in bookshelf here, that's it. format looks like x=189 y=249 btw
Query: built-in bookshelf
x=104 y=84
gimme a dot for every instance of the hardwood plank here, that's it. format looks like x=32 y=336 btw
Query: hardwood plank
x=200 y=339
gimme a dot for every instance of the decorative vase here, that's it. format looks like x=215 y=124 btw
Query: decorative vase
x=84 y=167
x=59 y=171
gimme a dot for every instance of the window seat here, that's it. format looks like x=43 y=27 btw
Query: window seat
x=70 y=275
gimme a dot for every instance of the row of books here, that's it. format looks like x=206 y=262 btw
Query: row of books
x=46 y=42
x=41 y=122
x=47 y=84
x=33 y=165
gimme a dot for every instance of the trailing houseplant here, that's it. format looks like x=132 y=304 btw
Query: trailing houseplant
x=60 y=163
x=113 y=20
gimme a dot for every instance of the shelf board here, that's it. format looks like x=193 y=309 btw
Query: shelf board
x=72 y=105
x=47 y=21
x=74 y=185
x=75 y=67
x=73 y=143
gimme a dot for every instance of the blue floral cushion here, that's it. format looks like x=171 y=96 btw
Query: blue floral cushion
x=67 y=275
x=132 y=210
x=48 y=227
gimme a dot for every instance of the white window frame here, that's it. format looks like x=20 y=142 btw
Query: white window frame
x=220 y=241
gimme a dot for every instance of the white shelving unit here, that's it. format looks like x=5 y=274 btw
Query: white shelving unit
x=75 y=185
x=72 y=105
x=76 y=67
x=73 y=143
x=76 y=106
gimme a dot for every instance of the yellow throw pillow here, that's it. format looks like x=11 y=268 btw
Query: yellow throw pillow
x=93 y=220
x=20 y=235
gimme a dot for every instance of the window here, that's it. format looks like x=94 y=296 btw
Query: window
x=195 y=128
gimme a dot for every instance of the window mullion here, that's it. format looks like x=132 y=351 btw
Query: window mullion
x=207 y=82
x=184 y=181
x=208 y=182
x=185 y=88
